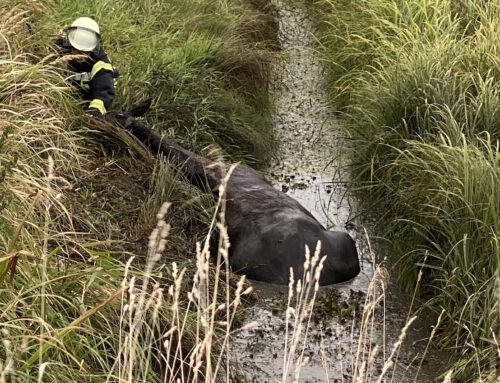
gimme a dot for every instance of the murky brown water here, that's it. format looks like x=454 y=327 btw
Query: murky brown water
x=311 y=167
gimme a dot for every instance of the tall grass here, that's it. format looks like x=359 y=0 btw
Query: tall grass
x=76 y=204
x=418 y=82
x=204 y=62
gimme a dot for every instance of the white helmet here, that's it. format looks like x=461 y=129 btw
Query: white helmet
x=83 y=34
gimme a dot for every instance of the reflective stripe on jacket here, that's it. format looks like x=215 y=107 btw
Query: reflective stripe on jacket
x=98 y=66
x=94 y=77
x=97 y=104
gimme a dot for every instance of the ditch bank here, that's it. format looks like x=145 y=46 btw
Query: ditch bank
x=311 y=166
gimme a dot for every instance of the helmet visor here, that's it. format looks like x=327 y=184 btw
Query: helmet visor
x=83 y=39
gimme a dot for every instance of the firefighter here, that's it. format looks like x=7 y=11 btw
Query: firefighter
x=91 y=69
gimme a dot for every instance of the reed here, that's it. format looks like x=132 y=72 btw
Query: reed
x=418 y=85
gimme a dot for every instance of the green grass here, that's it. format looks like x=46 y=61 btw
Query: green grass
x=187 y=55
x=76 y=204
x=418 y=83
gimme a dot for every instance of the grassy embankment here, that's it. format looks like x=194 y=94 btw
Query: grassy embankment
x=419 y=85
x=76 y=204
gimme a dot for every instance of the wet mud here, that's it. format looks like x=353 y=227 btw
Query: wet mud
x=311 y=166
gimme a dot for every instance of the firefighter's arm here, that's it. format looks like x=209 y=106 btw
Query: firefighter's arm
x=102 y=88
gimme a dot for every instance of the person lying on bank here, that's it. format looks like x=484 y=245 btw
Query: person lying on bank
x=90 y=70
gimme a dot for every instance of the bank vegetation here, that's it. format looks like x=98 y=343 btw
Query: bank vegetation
x=83 y=297
x=418 y=85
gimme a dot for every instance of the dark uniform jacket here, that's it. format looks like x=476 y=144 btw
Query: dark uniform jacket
x=94 y=77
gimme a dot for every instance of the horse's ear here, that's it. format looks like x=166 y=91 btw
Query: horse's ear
x=141 y=108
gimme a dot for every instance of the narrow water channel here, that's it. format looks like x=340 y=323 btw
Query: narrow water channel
x=311 y=167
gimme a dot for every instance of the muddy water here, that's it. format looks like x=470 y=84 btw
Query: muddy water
x=311 y=167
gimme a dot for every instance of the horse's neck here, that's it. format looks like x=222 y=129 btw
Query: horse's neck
x=196 y=168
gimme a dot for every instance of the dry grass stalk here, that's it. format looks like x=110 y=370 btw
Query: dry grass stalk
x=301 y=298
x=213 y=318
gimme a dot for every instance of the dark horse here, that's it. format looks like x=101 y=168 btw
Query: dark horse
x=268 y=229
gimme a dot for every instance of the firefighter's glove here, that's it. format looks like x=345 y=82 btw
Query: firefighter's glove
x=94 y=113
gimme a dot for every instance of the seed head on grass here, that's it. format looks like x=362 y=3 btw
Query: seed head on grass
x=301 y=298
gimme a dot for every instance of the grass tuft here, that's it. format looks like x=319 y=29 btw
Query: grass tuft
x=418 y=84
